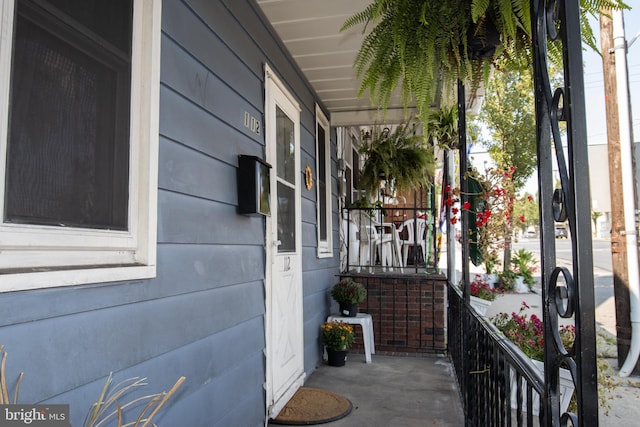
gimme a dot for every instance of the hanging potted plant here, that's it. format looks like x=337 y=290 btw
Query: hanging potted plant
x=337 y=338
x=422 y=48
x=399 y=157
x=348 y=294
x=442 y=127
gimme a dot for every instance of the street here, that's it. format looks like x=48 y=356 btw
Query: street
x=603 y=276
x=601 y=250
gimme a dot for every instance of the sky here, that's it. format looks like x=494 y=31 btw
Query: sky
x=594 y=91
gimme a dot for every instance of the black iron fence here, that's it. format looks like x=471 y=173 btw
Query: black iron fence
x=389 y=239
x=498 y=384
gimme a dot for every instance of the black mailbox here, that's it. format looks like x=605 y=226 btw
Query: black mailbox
x=253 y=186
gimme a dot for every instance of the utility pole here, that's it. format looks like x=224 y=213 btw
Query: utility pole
x=618 y=239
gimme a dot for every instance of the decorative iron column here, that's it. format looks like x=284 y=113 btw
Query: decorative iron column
x=467 y=339
x=567 y=291
x=464 y=187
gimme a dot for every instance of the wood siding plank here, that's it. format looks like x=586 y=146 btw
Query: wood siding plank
x=186 y=219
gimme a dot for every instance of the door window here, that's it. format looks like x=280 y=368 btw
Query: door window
x=286 y=153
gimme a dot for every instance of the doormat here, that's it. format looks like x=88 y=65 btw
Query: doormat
x=313 y=406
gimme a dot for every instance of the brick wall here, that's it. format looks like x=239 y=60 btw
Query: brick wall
x=408 y=313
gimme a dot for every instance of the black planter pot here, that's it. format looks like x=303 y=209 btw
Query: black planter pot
x=348 y=310
x=336 y=357
x=483 y=43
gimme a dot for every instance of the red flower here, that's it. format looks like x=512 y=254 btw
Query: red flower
x=466 y=206
x=521 y=218
x=454 y=211
x=530 y=198
x=454 y=220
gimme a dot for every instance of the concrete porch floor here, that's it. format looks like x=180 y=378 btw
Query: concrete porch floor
x=394 y=391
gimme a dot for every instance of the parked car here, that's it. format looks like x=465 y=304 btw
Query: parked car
x=561 y=232
x=529 y=234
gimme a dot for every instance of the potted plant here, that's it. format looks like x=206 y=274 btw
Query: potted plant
x=337 y=338
x=481 y=294
x=422 y=48
x=524 y=267
x=442 y=127
x=507 y=280
x=491 y=260
x=399 y=157
x=527 y=333
x=348 y=294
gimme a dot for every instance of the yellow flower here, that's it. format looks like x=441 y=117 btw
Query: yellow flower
x=337 y=335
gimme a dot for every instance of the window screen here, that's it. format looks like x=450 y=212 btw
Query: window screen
x=68 y=146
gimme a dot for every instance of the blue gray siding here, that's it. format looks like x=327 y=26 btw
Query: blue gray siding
x=203 y=315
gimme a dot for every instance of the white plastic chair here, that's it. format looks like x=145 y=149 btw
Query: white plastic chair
x=375 y=239
x=349 y=239
x=414 y=233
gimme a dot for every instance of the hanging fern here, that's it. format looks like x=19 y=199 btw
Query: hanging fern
x=420 y=47
x=441 y=127
x=399 y=157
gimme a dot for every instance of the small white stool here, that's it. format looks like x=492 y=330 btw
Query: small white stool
x=365 y=321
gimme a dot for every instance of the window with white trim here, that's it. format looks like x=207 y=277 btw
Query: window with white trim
x=79 y=86
x=323 y=185
x=353 y=164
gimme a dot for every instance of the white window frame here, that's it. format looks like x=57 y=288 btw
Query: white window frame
x=325 y=247
x=353 y=144
x=35 y=256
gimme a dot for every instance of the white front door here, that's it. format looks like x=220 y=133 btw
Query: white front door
x=284 y=340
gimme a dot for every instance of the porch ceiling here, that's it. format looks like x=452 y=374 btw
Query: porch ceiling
x=310 y=29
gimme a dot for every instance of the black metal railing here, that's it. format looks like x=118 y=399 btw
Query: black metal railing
x=398 y=240
x=498 y=384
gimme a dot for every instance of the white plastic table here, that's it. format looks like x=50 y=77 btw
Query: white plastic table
x=364 y=320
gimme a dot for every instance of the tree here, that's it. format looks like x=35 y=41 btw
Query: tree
x=526 y=208
x=509 y=115
x=594 y=217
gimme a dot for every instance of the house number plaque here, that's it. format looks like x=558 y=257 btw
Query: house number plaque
x=252 y=123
